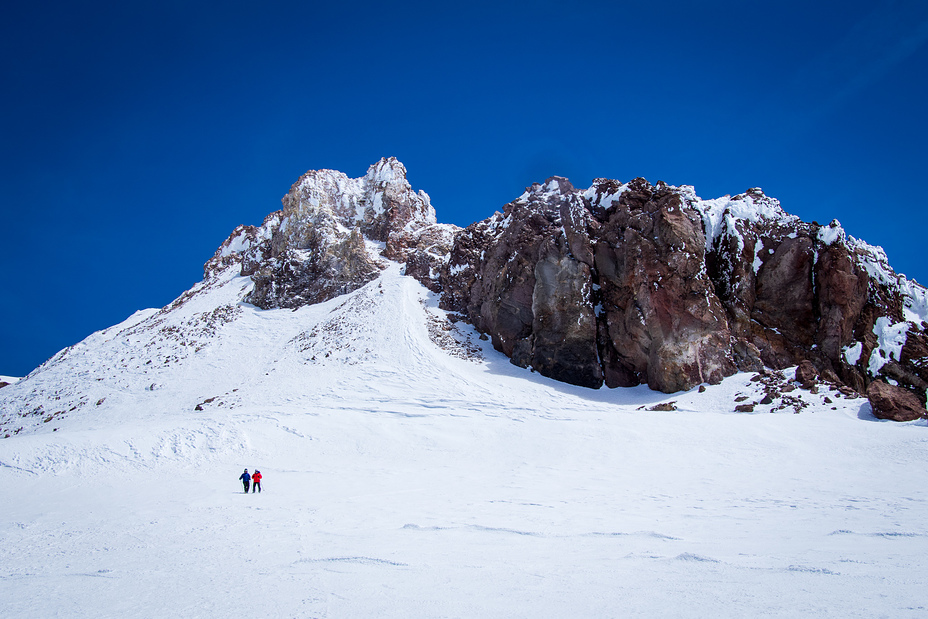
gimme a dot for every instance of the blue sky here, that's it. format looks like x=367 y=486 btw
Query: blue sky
x=136 y=136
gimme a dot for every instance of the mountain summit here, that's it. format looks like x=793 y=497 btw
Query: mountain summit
x=619 y=284
x=331 y=235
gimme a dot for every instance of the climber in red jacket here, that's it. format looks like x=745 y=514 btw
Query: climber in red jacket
x=256 y=482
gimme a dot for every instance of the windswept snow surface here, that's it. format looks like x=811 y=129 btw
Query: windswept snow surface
x=402 y=479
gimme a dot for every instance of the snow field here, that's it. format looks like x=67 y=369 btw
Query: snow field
x=401 y=481
x=416 y=513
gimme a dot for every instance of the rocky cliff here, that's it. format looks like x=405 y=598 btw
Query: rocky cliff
x=619 y=284
x=332 y=235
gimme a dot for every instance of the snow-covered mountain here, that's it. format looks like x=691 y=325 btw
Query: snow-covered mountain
x=411 y=469
x=619 y=284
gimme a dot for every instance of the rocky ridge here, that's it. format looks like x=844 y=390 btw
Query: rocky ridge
x=619 y=284
x=634 y=283
x=331 y=235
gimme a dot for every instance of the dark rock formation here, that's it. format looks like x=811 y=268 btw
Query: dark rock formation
x=323 y=269
x=684 y=290
x=524 y=277
x=895 y=403
x=661 y=322
x=609 y=285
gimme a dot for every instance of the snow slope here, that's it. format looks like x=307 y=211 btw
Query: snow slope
x=412 y=471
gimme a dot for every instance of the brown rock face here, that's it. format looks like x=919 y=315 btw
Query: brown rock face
x=516 y=278
x=784 y=295
x=842 y=294
x=683 y=291
x=533 y=277
x=662 y=323
x=895 y=403
x=795 y=291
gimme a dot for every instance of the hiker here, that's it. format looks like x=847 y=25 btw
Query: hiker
x=246 y=479
x=256 y=482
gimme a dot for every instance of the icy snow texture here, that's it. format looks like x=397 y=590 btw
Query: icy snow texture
x=240 y=244
x=832 y=233
x=892 y=338
x=719 y=215
x=852 y=353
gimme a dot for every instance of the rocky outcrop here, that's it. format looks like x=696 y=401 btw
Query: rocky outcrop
x=661 y=322
x=620 y=284
x=895 y=403
x=424 y=251
x=682 y=290
x=322 y=270
x=524 y=278
x=609 y=285
x=820 y=296
x=331 y=235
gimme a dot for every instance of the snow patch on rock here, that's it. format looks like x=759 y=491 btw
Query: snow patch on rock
x=891 y=338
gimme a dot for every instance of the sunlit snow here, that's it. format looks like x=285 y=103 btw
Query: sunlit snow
x=406 y=474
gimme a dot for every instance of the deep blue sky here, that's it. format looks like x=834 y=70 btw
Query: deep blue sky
x=135 y=136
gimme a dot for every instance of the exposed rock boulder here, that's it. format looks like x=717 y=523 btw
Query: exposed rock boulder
x=895 y=403
x=806 y=374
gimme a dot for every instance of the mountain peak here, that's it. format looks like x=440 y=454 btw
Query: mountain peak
x=332 y=235
x=387 y=170
x=619 y=284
